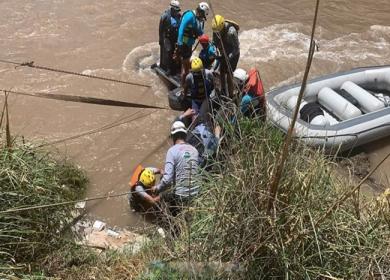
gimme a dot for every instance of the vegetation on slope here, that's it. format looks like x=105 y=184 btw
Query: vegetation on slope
x=227 y=233
x=27 y=178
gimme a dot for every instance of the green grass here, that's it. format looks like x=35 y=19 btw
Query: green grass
x=230 y=222
x=28 y=178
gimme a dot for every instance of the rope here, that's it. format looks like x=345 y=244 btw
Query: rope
x=103 y=128
x=64 y=203
x=83 y=99
x=31 y=65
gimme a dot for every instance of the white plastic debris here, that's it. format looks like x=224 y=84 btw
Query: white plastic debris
x=80 y=205
x=161 y=232
x=112 y=233
x=98 y=225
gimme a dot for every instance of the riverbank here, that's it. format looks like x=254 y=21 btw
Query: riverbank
x=30 y=177
x=317 y=227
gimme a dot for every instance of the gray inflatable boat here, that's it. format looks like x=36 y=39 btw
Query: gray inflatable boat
x=339 y=111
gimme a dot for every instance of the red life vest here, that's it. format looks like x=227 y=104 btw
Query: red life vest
x=254 y=85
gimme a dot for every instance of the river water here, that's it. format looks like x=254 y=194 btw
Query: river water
x=118 y=39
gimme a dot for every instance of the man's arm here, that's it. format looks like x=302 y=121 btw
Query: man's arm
x=233 y=39
x=169 y=172
x=187 y=84
x=145 y=196
x=210 y=78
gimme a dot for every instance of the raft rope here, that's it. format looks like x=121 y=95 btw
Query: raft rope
x=84 y=99
x=32 y=65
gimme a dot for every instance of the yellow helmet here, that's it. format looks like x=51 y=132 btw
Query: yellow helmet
x=218 y=23
x=196 y=64
x=147 y=178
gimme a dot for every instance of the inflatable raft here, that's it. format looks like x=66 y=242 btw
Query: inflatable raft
x=339 y=111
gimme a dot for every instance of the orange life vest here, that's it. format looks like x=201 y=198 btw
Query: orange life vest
x=254 y=84
x=135 y=177
x=254 y=87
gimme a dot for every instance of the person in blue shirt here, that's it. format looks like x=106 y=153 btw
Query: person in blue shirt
x=208 y=53
x=191 y=27
x=168 y=31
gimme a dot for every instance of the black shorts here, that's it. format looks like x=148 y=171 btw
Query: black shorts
x=186 y=51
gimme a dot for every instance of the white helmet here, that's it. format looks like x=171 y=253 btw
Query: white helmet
x=178 y=126
x=240 y=74
x=175 y=4
x=204 y=8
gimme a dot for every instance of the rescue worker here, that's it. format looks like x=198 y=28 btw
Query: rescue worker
x=199 y=84
x=208 y=52
x=191 y=27
x=168 y=30
x=225 y=38
x=251 y=87
x=141 y=197
x=200 y=135
x=181 y=170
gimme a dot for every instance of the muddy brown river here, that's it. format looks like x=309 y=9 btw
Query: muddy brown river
x=118 y=39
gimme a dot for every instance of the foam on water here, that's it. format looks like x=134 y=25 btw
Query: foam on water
x=138 y=62
x=287 y=42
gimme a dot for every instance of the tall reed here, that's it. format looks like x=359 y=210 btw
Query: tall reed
x=27 y=178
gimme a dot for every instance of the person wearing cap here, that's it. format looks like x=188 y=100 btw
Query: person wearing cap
x=225 y=38
x=199 y=84
x=168 y=30
x=208 y=52
x=191 y=27
x=181 y=169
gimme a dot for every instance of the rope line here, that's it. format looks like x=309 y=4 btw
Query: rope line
x=84 y=99
x=64 y=203
x=103 y=128
x=32 y=65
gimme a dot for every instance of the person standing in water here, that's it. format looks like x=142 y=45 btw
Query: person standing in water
x=191 y=27
x=168 y=31
x=225 y=37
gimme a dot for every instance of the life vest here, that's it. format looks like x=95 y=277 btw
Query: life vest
x=135 y=200
x=208 y=55
x=191 y=31
x=135 y=177
x=173 y=27
x=200 y=87
x=254 y=85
